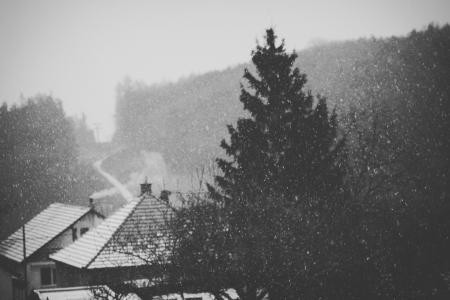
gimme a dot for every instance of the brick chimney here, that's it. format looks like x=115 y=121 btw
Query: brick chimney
x=165 y=195
x=146 y=188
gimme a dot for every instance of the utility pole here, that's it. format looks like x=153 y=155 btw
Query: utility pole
x=24 y=261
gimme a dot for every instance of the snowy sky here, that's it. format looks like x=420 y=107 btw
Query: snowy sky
x=79 y=50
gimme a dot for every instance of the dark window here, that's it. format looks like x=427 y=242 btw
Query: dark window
x=48 y=276
x=74 y=234
x=83 y=230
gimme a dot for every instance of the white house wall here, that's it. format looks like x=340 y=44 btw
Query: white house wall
x=90 y=221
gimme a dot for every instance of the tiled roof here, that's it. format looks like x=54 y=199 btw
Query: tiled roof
x=132 y=236
x=41 y=229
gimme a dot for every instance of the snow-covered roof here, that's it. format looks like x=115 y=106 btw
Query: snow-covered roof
x=81 y=293
x=129 y=237
x=41 y=229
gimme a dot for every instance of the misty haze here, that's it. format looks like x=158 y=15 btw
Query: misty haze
x=224 y=150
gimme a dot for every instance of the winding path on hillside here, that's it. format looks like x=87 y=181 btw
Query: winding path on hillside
x=111 y=179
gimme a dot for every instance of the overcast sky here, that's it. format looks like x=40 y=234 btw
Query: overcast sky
x=79 y=50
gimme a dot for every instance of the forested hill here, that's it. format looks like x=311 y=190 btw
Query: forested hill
x=41 y=161
x=186 y=120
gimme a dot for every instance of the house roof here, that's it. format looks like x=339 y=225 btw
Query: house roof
x=41 y=229
x=81 y=293
x=130 y=237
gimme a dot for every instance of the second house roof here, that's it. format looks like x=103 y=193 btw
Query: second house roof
x=126 y=238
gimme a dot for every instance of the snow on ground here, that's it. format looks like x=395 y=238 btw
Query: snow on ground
x=122 y=189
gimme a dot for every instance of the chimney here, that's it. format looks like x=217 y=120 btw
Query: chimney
x=146 y=188
x=165 y=195
x=91 y=202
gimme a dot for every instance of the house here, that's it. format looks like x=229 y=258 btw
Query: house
x=128 y=247
x=120 y=248
x=56 y=227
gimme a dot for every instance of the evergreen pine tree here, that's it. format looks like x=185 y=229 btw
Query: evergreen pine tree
x=289 y=144
x=283 y=168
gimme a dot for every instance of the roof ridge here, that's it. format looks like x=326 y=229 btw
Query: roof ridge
x=118 y=227
x=68 y=204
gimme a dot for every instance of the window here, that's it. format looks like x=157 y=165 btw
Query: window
x=83 y=230
x=74 y=234
x=48 y=276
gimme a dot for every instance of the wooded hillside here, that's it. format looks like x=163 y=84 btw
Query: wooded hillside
x=40 y=162
x=186 y=120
